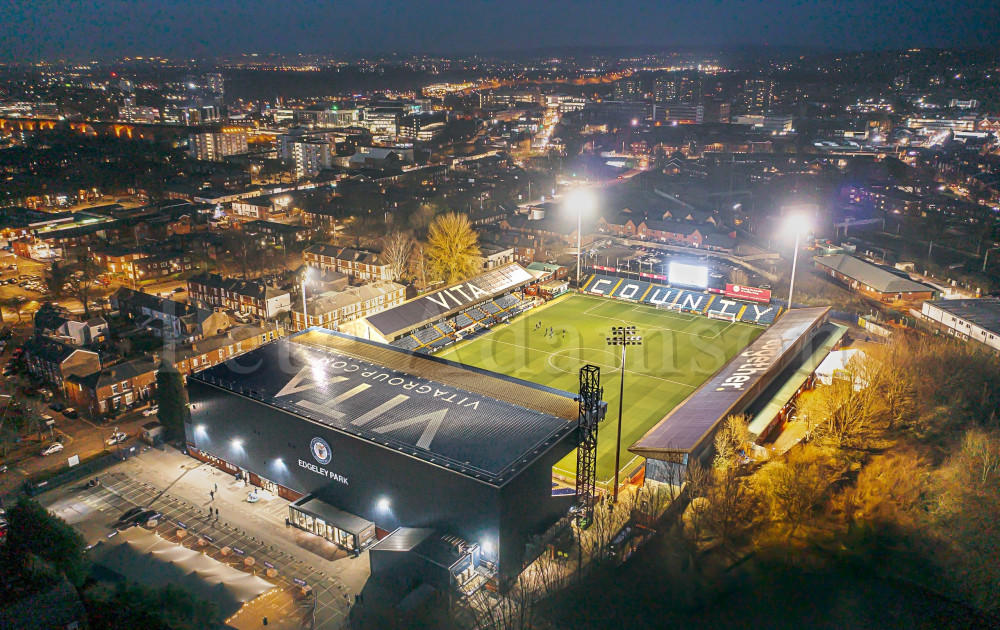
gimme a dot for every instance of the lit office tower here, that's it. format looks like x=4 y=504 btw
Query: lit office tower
x=214 y=146
x=215 y=83
x=757 y=95
x=677 y=86
x=628 y=89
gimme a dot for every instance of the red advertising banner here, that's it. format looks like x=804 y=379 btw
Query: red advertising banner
x=748 y=293
x=654 y=276
x=604 y=268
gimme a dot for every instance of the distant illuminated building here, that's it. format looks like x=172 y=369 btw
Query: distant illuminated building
x=214 y=146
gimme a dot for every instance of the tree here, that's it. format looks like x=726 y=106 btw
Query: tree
x=732 y=437
x=11 y=304
x=845 y=412
x=172 y=398
x=83 y=282
x=358 y=228
x=126 y=606
x=452 y=248
x=58 y=276
x=795 y=486
x=424 y=215
x=40 y=548
x=397 y=251
x=738 y=276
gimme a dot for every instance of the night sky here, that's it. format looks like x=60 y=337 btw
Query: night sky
x=94 y=29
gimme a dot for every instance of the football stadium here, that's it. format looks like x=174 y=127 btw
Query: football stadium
x=443 y=432
x=550 y=344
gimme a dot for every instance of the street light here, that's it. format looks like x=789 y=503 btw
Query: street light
x=621 y=336
x=305 y=310
x=799 y=225
x=986 y=257
x=583 y=201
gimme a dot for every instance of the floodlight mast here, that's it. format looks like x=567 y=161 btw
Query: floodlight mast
x=621 y=336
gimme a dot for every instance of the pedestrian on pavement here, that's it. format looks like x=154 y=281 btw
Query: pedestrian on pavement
x=211 y=493
x=216 y=487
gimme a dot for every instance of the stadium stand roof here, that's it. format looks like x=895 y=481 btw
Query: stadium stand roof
x=468 y=420
x=878 y=277
x=771 y=401
x=428 y=308
x=686 y=427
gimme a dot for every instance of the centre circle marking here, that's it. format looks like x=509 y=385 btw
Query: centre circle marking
x=573 y=353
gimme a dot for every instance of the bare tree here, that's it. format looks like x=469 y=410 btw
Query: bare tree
x=397 y=252
x=846 y=412
x=733 y=436
x=795 y=486
x=83 y=282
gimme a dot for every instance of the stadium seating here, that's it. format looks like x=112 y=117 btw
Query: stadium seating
x=440 y=343
x=407 y=343
x=490 y=307
x=476 y=314
x=462 y=320
x=721 y=307
x=631 y=290
x=692 y=301
x=427 y=335
x=445 y=328
x=507 y=301
x=762 y=314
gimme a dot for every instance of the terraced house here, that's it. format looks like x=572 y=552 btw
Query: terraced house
x=253 y=297
x=357 y=264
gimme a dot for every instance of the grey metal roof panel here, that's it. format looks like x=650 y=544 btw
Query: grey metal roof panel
x=874 y=276
x=460 y=428
x=443 y=302
x=689 y=423
x=983 y=312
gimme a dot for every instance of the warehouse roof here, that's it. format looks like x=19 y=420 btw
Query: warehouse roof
x=983 y=312
x=436 y=305
x=471 y=421
x=877 y=277
x=741 y=380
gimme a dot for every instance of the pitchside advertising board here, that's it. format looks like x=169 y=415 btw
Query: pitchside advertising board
x=752 y=294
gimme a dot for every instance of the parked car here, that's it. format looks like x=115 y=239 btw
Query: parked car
x=57 y=406
x=71 y=413
x=117 y=438
x=130 y=514
x=55 y=447
x=152 y=410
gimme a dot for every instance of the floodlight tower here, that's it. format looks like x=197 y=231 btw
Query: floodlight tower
x=623 y=336
x=798 y=224
x=582 y=201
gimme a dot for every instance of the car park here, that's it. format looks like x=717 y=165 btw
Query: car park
x=53 y=448
x=130 y=514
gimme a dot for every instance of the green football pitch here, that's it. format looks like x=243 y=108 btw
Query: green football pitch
x=679 y=352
